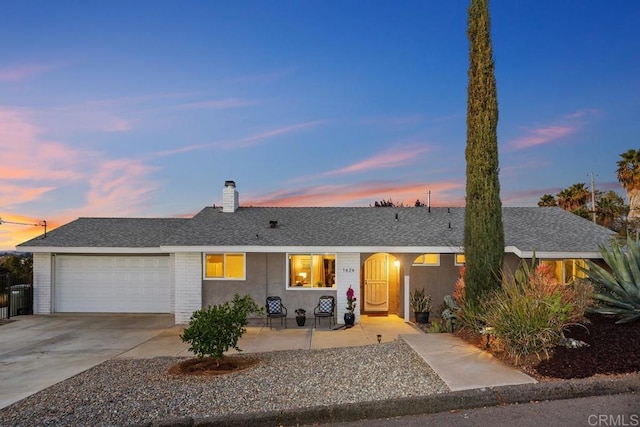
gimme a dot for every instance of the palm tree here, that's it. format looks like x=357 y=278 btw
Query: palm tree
x=628 y=174
x=564 y=199
x=547 y=200
x=609 y=208
x=579 y=196
x=574 y=198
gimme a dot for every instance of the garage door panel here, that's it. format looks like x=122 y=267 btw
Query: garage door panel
x=136 y=284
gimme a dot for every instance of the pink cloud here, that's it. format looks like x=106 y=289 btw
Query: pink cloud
x=391 y=158
x=243 y=142
x=75 y=118
x=215 y=105
x=523 y=167
x=362 y=195
x=33 y=166
x=115 y=114
x=13 y=195
x=587 y=112
x=119 y=187
x=548 y=134
x=26 y=156
x=14 y=73
x=109 y=103
x=218 y=104
x=181 y=150
x=542 y=135
x=255 y=139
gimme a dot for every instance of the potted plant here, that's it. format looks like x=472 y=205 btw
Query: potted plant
x=349 y=316
x=421 y=304
x=301 y=316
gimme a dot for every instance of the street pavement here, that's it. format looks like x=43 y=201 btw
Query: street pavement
x=596 y=411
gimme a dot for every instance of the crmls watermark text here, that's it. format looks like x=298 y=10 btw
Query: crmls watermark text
x=602 y=420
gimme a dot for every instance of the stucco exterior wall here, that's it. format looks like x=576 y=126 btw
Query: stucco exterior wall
x=438 y=281
x=511 y=262
x=266 y=276
x=262 y=276
x=441 y=281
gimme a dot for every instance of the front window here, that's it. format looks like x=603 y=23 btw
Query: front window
x=460 y=259
x=566 y=270
x=224 y=266
x=427 y=259
x=312 y=270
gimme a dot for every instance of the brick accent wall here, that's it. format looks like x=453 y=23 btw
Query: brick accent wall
x=42 y=281
x=188 y=285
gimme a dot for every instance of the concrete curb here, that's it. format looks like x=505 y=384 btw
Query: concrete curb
x=466 y=399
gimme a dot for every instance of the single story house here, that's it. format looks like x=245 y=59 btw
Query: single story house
x=179 y=265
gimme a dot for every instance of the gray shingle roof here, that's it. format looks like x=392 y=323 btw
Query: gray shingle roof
x=110 y=233
x=528 y=229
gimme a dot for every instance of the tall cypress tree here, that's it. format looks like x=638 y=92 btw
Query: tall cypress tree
x=483 y=229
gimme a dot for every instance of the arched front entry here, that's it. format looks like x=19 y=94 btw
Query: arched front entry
x=381 y=285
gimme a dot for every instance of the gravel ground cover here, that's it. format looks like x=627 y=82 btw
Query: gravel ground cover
x=133 y=391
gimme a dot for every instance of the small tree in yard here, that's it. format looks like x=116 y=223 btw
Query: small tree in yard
x=215 y=329
x=483 y=229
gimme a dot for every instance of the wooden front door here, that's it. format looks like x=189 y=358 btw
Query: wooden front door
x=376 y=283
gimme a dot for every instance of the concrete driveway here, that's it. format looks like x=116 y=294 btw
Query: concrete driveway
x=39 y=351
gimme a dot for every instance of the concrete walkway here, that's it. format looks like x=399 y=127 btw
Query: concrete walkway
x=260 y=338
x=461 y=366
x=39 y=351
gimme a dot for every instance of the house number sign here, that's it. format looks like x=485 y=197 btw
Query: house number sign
x=348 y=269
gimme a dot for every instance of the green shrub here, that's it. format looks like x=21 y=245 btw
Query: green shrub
x=525 y=323
x=620 y=293
x=449 y=313
x=437 y=326
x=531 y=311
x=215 y=329
x=420 y=301
x=580 y=294
x=465 y=313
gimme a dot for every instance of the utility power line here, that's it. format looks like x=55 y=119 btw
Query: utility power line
x=42 y=223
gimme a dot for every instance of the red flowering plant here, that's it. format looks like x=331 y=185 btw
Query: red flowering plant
x=351 y=300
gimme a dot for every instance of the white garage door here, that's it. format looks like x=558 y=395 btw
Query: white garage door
x=112 y=284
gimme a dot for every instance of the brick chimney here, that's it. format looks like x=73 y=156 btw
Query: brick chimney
x=229 y=197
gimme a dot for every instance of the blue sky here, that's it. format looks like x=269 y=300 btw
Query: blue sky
x=145 y=108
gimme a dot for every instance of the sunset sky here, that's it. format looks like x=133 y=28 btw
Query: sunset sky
x=145 y=108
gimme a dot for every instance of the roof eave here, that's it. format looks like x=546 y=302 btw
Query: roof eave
x=90 y=250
